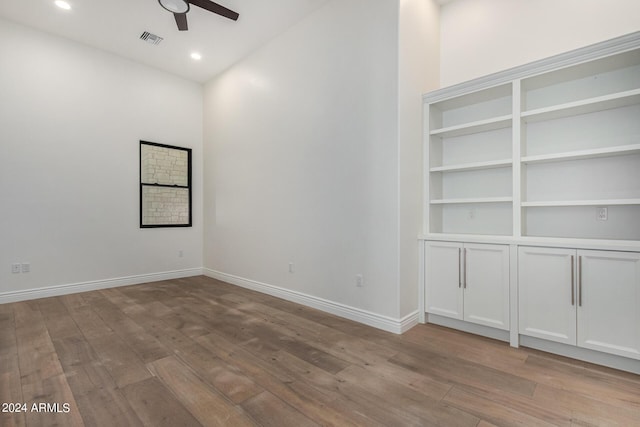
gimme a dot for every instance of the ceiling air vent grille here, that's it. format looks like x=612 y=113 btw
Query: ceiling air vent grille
x=150 y=38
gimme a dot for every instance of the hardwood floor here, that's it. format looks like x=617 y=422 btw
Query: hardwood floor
x=197 y=351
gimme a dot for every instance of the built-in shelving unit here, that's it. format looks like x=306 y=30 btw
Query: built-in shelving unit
x=538 y=155
x=538 y=168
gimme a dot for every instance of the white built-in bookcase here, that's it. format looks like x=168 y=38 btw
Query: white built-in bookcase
x=520 y=169
x=536 y=152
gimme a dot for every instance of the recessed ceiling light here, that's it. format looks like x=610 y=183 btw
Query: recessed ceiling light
x=196 y=56
x=62 y=4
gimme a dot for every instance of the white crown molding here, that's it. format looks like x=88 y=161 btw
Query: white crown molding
x=389 y=324
x=572 y=57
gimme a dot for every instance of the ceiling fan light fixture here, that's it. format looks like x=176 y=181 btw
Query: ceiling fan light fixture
x=175 y=6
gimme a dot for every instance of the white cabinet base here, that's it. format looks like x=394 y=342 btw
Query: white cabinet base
x=584 y=354
x=573 y=352
x=471 y=328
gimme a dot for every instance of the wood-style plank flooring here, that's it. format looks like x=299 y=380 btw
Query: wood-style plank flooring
x=197 y=351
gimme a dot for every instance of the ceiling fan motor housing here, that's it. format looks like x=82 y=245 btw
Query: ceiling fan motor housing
x=179 y=8
x=175 y=6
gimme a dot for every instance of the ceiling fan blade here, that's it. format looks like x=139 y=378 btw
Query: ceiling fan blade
x=215 y=8
x=181 y=20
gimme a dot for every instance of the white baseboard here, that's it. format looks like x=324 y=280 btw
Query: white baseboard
x=389 y=324
x=57 y=290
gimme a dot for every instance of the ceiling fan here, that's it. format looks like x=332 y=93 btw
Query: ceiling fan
x=179 y=8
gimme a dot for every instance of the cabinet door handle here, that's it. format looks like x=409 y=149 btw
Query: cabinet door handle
x=459 y=268
x=573 y=296
x=580 y=281
x=465 y=268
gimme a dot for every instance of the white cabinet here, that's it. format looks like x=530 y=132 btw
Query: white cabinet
x=608 y=301
x=546 y=293
x=581 y=297
x=468 y=282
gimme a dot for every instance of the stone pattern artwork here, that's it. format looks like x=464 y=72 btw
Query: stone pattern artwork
x=162 y=165
x=165 y=205
x=164 y=175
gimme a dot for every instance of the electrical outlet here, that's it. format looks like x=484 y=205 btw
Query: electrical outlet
x=26 y=267
x=359 y=280
x=602 y=214
x=15 y=268
x=291 y=269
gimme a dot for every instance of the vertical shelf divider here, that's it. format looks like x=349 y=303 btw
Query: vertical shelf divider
x=516 y=146
x=426 y=162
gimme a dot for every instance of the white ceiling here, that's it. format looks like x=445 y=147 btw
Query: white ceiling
x=116 y=25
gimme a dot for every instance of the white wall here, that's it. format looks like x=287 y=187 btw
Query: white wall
x=71 y=118
x=301 y=159
x=479 y=37
x=418 y=66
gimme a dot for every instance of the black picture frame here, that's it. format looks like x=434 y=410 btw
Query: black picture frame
x=149 y=189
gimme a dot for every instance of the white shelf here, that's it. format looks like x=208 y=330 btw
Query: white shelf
x=472 y=200
x=474 y=166
x=563 y=242
x=504 y=239
x=494 y=123
x=601 y=202
x=583 y=154
x=606 y=102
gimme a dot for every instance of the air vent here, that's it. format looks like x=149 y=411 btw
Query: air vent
x=150 y=38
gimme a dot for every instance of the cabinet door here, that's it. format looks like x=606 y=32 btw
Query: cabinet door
x=546 y=293
x=609 y=302
x=486 y=285
x=444 y=279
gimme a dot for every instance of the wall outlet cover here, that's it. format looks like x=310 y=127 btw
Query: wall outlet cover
x=602 y=214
